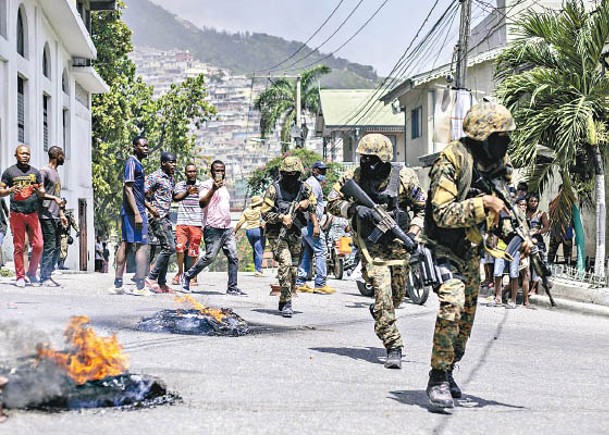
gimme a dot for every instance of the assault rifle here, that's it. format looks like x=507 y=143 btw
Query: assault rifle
x=498 y=187
x=283 y=231
x=383 y=222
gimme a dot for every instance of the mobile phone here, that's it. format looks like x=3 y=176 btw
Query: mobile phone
x=217 y=177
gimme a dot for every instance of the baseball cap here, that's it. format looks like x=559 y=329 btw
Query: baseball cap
x=166 y=156
x=319 y=165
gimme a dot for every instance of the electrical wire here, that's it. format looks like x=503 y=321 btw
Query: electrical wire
x=304 y=44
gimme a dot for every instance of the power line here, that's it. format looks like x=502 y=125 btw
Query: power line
x=329 y=37
x=304 y=44
x=348 y=40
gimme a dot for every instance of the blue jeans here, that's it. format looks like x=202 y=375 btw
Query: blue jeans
x=312 y=247
x=216 y=239
x=257 y=240
x=164 y=233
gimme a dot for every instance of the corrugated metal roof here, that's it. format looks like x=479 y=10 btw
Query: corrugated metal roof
x=345 y=107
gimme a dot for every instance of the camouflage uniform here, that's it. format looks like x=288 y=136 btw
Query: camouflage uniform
x=452 y=227
x=286 y=251
x=65 y=233
x=388 y=281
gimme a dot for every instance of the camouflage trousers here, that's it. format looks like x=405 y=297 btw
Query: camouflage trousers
x=458 y=300
x=389 y=284
x=286 y=253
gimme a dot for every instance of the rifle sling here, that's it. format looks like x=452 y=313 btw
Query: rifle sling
x=376 y=261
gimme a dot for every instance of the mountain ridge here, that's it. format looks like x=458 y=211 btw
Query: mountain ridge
x=245 y=52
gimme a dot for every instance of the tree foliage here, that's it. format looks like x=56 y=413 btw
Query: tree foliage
x=129 y=109
x=278 y=102
x=553 y=83
x=263 y=177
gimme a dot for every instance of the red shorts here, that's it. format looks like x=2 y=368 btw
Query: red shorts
x=188 y=235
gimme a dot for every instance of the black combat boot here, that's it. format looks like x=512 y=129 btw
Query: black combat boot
x=455 y=391
x=394 y=358
x=438 y=390
x=286 y=310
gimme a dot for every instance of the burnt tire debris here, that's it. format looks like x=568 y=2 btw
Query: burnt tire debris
x=193 y=322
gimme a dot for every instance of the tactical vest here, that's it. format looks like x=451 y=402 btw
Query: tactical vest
x=388 y=199
x=283 y=200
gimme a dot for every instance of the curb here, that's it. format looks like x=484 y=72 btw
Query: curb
x=571 y=306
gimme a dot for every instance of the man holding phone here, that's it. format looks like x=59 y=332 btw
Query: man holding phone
x=214 y=199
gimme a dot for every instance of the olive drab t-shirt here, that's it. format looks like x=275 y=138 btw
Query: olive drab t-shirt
x=25 y=201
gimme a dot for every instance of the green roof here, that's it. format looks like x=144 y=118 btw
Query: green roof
x=356 y=108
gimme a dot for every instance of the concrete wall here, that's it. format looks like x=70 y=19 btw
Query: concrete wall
x=76 y=172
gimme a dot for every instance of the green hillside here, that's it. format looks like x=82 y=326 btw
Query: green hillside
x=155 y=27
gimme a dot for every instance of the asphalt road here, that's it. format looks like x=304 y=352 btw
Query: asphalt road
x=525 y=371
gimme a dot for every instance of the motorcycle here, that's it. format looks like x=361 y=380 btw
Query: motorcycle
x=415 y=290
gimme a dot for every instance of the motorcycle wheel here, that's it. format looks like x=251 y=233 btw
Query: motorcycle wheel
x=417 y=292
x=364 y=288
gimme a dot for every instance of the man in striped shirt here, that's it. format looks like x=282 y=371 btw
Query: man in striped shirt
x=190 y=219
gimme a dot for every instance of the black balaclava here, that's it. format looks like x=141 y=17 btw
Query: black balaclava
x=290 y=181
x=493 y=149
x=373 y=167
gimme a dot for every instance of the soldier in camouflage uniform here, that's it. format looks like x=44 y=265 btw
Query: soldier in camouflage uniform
x=286 y=250
x=455 y=218
x=65 y=236
x=386 y=263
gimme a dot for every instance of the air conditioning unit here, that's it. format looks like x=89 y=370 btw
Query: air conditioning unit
x=79 y=62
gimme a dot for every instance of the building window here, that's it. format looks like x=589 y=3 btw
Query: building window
x=21 y=35
x=416 y=122
x=46 y=61
x=3 y=16
x=20 y=109
x=46 y=107
x=65 y=84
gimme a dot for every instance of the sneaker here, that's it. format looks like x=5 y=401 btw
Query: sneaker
x=303 y=288
x=152 y=285
x=324 y=290
x=510 y=305
x=258 y=273
x=176 y=279
x=235 y=292
x=49 y=282
x=184 y=284
x=141 y=292
x=494 y=303
x=165 y=288
x=20 y=283
x=33 y=279
x=116 y=290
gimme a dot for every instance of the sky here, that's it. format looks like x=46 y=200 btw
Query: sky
x=380 y=44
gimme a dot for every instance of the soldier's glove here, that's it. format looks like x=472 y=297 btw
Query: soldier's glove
x=365 y=213
x=410 y=246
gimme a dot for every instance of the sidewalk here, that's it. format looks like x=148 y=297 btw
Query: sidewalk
x=576 y=296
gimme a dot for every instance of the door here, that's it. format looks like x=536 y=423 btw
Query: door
x=82 y=224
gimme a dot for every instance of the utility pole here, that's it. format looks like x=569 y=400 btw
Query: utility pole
x=298 y=102
x=462 y=45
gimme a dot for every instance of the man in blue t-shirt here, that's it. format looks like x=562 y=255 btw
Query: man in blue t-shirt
x=134 y=220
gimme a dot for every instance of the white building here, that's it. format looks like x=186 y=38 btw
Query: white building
x=45 y=97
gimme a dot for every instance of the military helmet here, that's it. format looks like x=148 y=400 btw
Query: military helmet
x=376 y=145
x=291 y=164
x=486 y=118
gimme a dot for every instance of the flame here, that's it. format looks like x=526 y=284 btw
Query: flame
x=89 y=356
x=214 y=312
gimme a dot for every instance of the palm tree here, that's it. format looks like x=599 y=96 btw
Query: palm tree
x=553 y=82
x=278 y=102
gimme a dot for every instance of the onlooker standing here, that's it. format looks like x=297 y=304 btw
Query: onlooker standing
x=254 y=230
x=3 y=227
x=314 y=241
x=66 y=236
x=159 y=189
x=538 y=226
x=21 y=181
x=99 y=254
x=134 y=220
x=560 y=235
x=50 y=213
x=189 y=222
x=214 y=198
